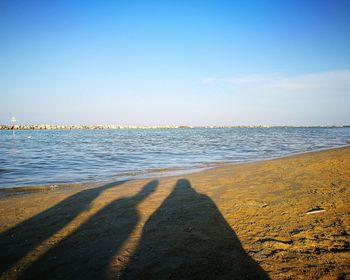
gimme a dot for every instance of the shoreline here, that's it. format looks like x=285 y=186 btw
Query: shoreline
x=154 y=173
x=283 y=218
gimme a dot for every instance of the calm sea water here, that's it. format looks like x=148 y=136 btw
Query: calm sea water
x=52 y=157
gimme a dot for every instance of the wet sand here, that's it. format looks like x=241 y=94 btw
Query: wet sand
x=286 y=218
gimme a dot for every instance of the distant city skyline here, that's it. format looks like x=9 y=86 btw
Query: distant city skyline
x=196 y=63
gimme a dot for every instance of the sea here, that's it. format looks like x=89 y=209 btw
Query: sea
x=51 y=157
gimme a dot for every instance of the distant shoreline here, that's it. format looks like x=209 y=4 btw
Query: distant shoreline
x=95 y=127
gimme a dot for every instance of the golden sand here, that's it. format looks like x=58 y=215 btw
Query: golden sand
x=286 y=218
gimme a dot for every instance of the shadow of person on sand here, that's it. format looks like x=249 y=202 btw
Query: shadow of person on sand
x=188 y=238
x=88 y=251
x=16 y=242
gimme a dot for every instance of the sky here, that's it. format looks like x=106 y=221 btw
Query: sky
x=175 y=62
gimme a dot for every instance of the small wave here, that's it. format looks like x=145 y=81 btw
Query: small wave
x=147 y=171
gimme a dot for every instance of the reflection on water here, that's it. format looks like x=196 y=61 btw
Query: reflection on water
x=44 y=157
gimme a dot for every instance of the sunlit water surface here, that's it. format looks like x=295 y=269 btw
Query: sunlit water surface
x=35 y=157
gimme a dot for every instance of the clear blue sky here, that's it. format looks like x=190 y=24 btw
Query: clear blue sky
x=175 y=62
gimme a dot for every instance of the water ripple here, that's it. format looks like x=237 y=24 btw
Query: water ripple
x=45 y=157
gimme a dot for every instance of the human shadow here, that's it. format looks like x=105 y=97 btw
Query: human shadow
x=16 y=242
x=188 y=238
x=87 y=252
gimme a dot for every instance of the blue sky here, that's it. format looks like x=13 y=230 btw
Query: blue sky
x=175 y=62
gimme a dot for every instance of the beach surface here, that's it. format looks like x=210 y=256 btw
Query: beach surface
x=286 y=218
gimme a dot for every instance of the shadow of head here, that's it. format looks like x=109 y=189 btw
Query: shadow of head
x=110 y=185
x=183 y=189
x=148 y=189
x=183 y=183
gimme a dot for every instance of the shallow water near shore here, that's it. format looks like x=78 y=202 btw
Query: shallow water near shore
x=33 y=157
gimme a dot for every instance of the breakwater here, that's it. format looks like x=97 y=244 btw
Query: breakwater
x=75 y=127
x=68 y=127
x=92 y=127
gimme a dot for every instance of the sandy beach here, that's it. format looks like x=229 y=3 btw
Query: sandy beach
x=286 y=218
